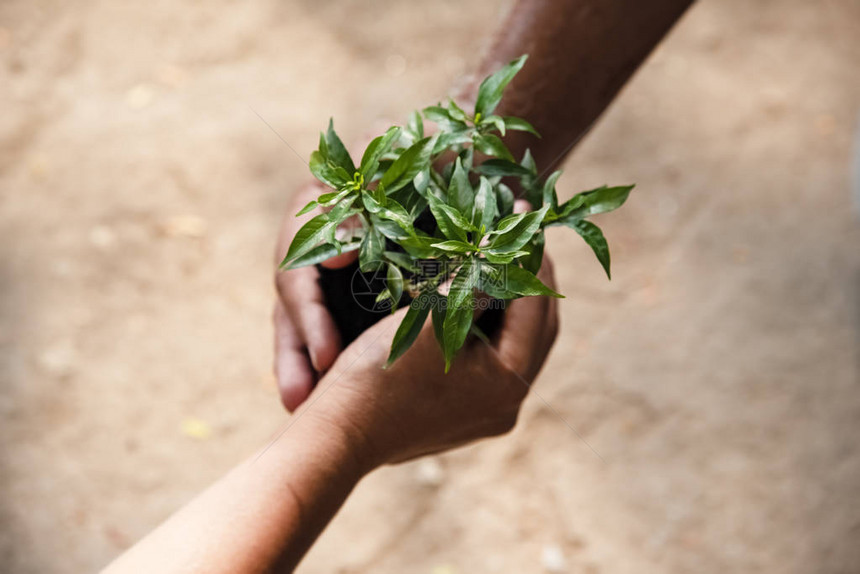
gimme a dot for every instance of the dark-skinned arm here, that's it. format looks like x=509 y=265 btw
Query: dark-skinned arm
x=581 y=53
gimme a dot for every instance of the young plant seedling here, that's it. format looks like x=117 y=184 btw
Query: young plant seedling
x=440 y=224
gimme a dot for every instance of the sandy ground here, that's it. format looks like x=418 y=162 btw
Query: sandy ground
x=715 y=378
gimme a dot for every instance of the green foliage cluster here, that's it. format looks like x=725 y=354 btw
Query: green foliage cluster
x=484 y=246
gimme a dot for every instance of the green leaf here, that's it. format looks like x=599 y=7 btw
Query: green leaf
x=460 y=194
x=401 y=260
x=509 y=222
x=534 y=248
x=497 y=122
x=531 y=192
x=412 y=161
x=370 y=253
x=337 y=151
x=437 y=114
x=308 y=236
x=419 y=246
x=467 y=156
x=456 y=111
x=451 y=223
x=375 y=150
x=510 y=281
x=415 y=127
x=373 y=201
x=492 y=145
x=519 y=124
x=440 y=305
x=328 y=199
x=492 y=281
x=526 y=283
x=328 y=173
x=321 y=253
x=385 y=295
x=413 y=202
x=550 y=197
x=490 y=91
x=307 y=208
x=394 y=282
x=451 y=139
x=379 y=195
x=417 y=207
x=464 y=282
x=342 y=209
x=596 y=201
x=503 y=168
x=486 y=209
x=395 y=212
x=528 y=162
x=505 y=257
x=458 y=320
x=443 y=118
x=421 y=182
x=595 y=239
x=323 y=147
x=389 y=229
x=506 y=199
x=387 y=208
x=517 y=233
x=455 y=246
x=409 y=328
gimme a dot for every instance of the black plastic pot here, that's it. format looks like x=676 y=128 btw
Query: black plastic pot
x=351 y=298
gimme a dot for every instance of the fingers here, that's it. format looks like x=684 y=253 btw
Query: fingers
x=530 y=323
x=529 y=329
x=521 y=206
x=320 y=334
x=340 y=261
x=292 y=368
x=304 y=306
x=301 y=298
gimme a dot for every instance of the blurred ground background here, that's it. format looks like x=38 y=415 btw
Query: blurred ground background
x=716 y=375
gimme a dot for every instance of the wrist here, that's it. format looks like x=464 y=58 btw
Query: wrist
x=343 y=443
x=298 y=482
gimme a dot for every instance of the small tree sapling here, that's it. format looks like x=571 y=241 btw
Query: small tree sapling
x=437 y=223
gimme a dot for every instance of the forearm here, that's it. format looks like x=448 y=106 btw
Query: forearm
x=262 y=516
x=581 y=53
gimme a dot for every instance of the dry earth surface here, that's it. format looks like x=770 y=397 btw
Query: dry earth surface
x=715 y=378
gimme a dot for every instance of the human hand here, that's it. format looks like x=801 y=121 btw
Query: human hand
x=306 y=339
x=412 y=408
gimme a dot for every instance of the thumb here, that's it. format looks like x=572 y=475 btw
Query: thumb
x=341 y=261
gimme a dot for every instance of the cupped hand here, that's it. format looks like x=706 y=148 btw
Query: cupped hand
x=412 y=408
x=307 y=341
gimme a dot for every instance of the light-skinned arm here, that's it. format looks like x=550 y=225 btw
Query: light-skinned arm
x=265 y=514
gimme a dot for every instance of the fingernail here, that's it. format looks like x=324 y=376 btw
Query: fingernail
x=289 y=399
x=314 y=359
